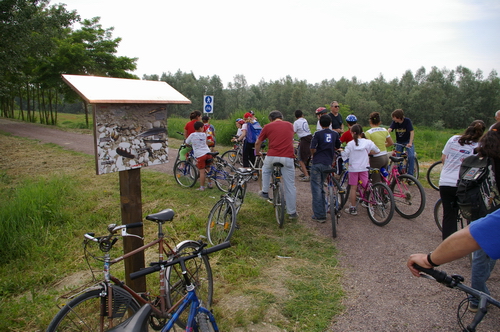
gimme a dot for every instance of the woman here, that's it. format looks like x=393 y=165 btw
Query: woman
x=456 y=149
x=382 y=139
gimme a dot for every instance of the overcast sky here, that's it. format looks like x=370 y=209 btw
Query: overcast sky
x=308 y=40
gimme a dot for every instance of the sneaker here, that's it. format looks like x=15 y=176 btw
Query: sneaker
x=293 y=216
x=320 y=220
x=473 y=307
x=210 y=186
x=351 y=210
x=301 y=175
x=264 y=195
x=305 y=179
x=201 y=189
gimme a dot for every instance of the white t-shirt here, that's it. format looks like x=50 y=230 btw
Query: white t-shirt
x=318 y=126
x=301 y=128
x=199 y=143
x=358 y=155
x=455 y=154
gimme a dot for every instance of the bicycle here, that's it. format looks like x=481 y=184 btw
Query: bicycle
x=434 y=173
x=334 y=198
x=376 y=197
x=234 y=156
x=222 y=218
x=199 y=318
x=278 y=199
x=456 y=281
x=106 y=303
x=403 y=166
x=185 y=171
x=296 y=160
x=409 y=194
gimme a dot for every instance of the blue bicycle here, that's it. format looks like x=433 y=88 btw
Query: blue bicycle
x=199 y=318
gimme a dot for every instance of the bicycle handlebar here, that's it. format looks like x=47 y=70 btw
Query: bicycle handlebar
x=159 y=265
x=112 y=228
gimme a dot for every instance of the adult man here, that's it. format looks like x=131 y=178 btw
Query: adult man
x=280 y=135
x=404 y=136
x=497 y=118
x=337 y=124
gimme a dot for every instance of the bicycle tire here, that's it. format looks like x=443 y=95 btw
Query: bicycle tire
x=434 y=173
x=344 y=186
x=335 y=204
x=381 y=210
x=185 y=174
x=204 y=323
x=279 y=204
x=83 y=313
x=200 y=274
x=409 y=196
x=221 y=221
x=438 y=214
x=239 y=196
x=222 y=177
x=230 y=156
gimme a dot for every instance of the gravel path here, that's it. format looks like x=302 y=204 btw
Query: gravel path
x=381 y=293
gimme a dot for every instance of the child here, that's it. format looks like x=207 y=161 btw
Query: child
x=198 y=140
x=351 y=121
x=323 y=146
x=357 y=152
x=239 y=124
x=210 y=131
x=301 y=128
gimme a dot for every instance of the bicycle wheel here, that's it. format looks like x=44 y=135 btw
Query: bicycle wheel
x=380 y=204
x=222 y=176
x=344 y=186
x=239 y=196
x=438 y=214
x=221 y=221
x=199 y=272
x=433 y=174
x=409 y=196
x=259 y=162
x=185 y=174
x=205 y=324
x=83 y=313
x=334 y=199
x=279 y=203
x=230 y=156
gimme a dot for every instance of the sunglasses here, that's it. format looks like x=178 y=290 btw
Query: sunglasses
x=336 y=106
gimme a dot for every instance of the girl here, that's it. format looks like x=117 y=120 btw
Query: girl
x=357 y=152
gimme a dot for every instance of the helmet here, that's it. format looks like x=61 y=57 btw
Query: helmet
x=240 y=121
x=351 y=118
x=320 y=110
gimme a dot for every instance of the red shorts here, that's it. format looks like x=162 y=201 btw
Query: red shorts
x=202 y=161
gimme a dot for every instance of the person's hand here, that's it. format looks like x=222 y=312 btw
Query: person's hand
x=409 y=145
x=420 y=259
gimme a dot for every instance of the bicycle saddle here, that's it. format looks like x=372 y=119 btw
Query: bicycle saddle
x=278 y=164
x=396 y=159
x=165 y=215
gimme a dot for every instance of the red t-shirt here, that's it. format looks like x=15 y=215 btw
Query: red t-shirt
x=280 y=137
x=190 y=127
x=346 y=137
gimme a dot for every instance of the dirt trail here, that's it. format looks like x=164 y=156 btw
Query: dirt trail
x=381 y=293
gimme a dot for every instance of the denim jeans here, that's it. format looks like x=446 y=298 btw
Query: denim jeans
x=410 y=152
x=482 y=265
x=318 y=190
x=287 y=179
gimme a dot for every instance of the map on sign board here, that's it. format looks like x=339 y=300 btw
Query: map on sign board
x=130 y=136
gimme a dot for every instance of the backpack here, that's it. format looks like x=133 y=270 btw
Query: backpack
x=477 y=191
x=253 y=131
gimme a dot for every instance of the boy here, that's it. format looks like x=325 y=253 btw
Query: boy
x=404 y=136
x=323 y=146
x=198 y=140
x=301 y=128
x=210 y=131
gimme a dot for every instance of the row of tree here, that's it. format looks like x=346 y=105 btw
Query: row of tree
x=440 y=98
x=39 y=44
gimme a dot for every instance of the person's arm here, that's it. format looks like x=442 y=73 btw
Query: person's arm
x=389 y=141
x=185 y=134
x=443 y=158
x=243 y=135
x=454 y=247
x=412 y=135
x=258 y=144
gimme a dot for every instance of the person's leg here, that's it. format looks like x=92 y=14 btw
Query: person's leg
x=251 y=153
x=482 y=265
x=318 y=193
x=245 y=154
x=288 y=180
x=303 y=168
x=353 y=182
x=267 y=169
x=450 y=210
x=410 y=152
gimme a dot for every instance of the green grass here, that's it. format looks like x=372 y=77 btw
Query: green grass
x=50 y=197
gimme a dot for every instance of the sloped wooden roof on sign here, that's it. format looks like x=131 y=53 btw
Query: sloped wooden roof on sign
x=107 y=90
